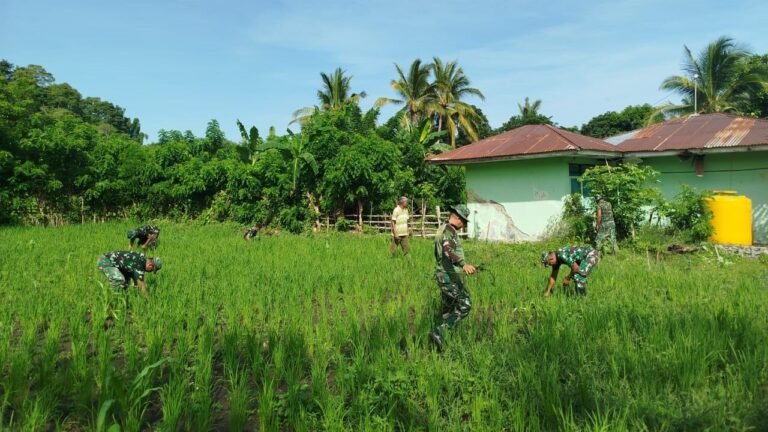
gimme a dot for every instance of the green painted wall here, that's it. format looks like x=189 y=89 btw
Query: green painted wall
x=745 y=172
x=516 y=200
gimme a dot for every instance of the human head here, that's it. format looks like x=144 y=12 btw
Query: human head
x=153 y=264
x=402 y=202
x=548 y=258
x=459 y=215
x=599 y=198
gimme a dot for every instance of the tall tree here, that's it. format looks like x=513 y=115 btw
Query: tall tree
x=335 y=93
x=613 y=123
x=451 y=86
x=415 y=91
x=529 y=115
x=715 y=81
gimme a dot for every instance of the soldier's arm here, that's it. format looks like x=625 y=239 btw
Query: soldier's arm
x=598 y=217
x=142 y=287
x=552 y=280
x=449 y=251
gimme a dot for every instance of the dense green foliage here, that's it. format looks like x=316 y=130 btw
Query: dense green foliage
x=690 y=215
x=68 y=159
x=254 y=336
x=614 y=123
x=724 y=77
x=628 y=188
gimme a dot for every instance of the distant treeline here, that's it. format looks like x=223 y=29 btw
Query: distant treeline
x=65 y=159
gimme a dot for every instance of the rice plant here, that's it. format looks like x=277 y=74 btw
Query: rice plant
x=328 y=332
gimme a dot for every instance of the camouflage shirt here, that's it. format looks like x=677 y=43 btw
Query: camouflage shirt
x=569 y=255
x=607 y=213
x=449 y=253
x=143 y=233
x=130 y=264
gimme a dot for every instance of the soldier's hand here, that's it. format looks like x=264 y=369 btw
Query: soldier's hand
x=566 y=281
x=469 y=269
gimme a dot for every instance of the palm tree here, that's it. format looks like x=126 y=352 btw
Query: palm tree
x=451 y=85
x=333 y=95
x=528 y=109
x=715 y=81
x=415 y=91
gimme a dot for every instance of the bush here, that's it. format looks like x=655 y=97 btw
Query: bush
x=343 y=225
x=690 y=215
x=579 y=219
x=626 y=188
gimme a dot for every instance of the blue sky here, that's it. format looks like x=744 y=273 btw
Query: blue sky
x=177 y=64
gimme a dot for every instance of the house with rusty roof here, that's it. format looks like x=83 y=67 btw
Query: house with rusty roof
x=517 y=180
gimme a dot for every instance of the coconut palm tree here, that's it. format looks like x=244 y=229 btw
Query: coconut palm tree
x=334 y=93
x=715 y=81
x=528 y=109
x=415 y=92
x=451 y=86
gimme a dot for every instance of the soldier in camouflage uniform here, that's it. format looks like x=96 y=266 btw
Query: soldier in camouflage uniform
x=122 y=266
x=580 y=259
x=145 y=236
x=252 y=232
x=605 y=227
x=450 y=270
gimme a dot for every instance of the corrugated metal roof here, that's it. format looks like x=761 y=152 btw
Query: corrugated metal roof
x=697 y=132
x=524 y=141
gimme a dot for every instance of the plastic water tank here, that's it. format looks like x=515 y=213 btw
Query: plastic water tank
x=731 y=218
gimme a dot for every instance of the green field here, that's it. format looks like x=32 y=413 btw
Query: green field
x=328 y=333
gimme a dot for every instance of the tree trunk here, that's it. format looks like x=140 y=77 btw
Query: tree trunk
x=360 y=215
x=313 y=205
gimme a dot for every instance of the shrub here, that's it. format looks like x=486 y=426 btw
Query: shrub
x=690 y=215
x=626 y=188
x=343 y=225
x=579 y=219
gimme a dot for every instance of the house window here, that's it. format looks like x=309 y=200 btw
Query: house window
x=574 y=172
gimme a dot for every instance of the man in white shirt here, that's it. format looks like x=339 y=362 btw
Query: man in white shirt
x=400 y=227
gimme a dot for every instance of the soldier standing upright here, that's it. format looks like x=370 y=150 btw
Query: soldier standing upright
x=449 y=255
x=605 y=227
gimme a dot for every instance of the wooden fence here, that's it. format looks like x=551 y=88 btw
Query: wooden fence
x=419 y=225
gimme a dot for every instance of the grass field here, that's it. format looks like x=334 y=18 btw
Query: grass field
x=328 y=333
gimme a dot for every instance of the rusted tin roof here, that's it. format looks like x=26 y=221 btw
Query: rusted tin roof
x=697 y=132
x=524 y=141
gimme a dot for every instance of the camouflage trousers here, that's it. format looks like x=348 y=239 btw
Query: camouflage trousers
x=585 y=267
x=114 y=275
x=456 y=301
x=606 y=238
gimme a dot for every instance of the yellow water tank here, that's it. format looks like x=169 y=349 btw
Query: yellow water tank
x=731 y=218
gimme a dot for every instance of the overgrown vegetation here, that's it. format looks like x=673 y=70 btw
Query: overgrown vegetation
x=328 y=333
x=628 y=187
x=635 y=202
x=64 y=158
x=690 y=215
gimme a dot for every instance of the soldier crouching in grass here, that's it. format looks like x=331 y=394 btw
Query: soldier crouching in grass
x=145 y=237
x=252 y=233
x=121 y=266
x=451 y=267
x=580 y=259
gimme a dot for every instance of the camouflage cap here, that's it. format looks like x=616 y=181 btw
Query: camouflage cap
x=461 y=211
x=131 y=234
x=158 y=263
x=545 y=258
